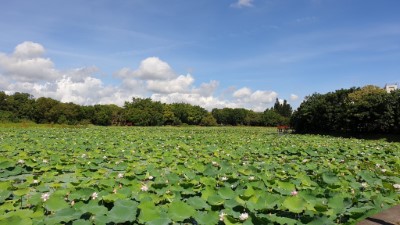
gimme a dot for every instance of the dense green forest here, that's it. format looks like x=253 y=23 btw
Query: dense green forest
x=369 y=109
x=355 y=111
x=139 y=112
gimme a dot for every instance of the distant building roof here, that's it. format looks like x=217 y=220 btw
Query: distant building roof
x=390 y=87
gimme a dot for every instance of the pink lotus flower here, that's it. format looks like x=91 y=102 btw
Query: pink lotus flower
x=294 y=193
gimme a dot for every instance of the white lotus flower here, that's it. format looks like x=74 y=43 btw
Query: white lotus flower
x=221 y=216
x=35 y=181
x=364 y=184
x=120 y=175
x=45 y=196
x=144 y=188
x=94 y=195
x=251 y=178
x=397 y=186
x=244 y=216
x=45 y=161
x=21 y=161
x=83 y=155
x=151 y=177
x=224 y=178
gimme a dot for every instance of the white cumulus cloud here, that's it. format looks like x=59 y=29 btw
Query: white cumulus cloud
x=28 y=49
x=207 y=89
x=181 y=84
x=242 y=3
x=293 y=97
x=27 y=64
x=242 y=93
x=153 y=68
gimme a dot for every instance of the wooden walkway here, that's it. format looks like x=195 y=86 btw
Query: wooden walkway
x=387 y=217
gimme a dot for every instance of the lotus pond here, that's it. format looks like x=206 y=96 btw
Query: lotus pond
x=193 y=175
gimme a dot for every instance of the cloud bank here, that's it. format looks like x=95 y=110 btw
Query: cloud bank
x=27 y=70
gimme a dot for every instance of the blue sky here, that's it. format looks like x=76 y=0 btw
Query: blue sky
x=214 y=53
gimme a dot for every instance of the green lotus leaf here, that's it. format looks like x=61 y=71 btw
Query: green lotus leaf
x=160 y=221
x=5 y=185
x=205 y=218
x=146 y=204
x=226 y=193
x=248 y=193
x=210 y=171
x=232 y=203
x=267 y=202
x=7 y=165
x=150 y=214
x=367 y=176
x=330 y=178
x=101 y=220
x=93 y=208
x=4 y=195
x=65 y=215
x=207 y=193
x=16 y=220
x=294 y=204
x=284 y=187
x=124 y=210
x=208 y=181
x=55 y=203
x=8 y=205
x=173 y=178
x=81 y=194
x=322 y=220
x=282 y=220
x=338 y=203
x=198 y=203
x=245 y=172
x=16 y=171
x=179 y=211
x=67 y=178
x=229 y=220
x=81 y=222
x=215 y=200
x=107 y=182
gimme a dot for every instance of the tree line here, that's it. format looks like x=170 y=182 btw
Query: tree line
x=139 y=112
x=369 y=109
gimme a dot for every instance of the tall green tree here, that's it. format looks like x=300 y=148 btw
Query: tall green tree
x=356 y=110
x=22 y=105
x=43 y=107
x=284 y=109
x=144 y=112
